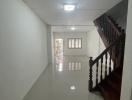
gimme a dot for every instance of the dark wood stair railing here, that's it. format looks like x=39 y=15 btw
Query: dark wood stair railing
x=103 y=61
x=105 y=71
x=108 y=29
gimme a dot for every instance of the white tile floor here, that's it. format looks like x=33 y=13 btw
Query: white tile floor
x=65 y=81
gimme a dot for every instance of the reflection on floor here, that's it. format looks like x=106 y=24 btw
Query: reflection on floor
x=64 y=81
x=74 y=66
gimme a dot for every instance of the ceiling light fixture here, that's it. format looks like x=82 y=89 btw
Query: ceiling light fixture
x=73 y=87
x=73 y=28
x=69 y=7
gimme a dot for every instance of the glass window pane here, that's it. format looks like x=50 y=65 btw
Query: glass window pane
x=72 y=65
x=76 y=43
x=70 y=43
x=80 y=44
x=76 y=67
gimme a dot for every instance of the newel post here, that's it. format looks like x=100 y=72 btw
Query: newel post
x=90 y=75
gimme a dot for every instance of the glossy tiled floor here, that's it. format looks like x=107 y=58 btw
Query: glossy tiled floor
x=65 y=80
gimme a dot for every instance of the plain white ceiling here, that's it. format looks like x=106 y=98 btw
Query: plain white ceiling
x=68 y=28
x=51 y=11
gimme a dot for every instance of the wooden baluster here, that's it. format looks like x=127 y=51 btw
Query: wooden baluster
x=115 y=35
x=117 y=50
x=101 y=76
x=117 y=53
x=112 y=35
x=109 y=35
x=104 y=21
x=114 y=57
x=113 y=32
x=122 y=50
x=120 y=53
x=106 y=29
x=110 y=61
x=108 y=32
x=100 y=22
x=97 y=65
x=106 y=64
x=90 y=75
x=114 y=64
x=104 y=25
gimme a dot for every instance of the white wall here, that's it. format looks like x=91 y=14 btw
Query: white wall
x=127 y=71
x=66 y=35
x=23 y=49
x=49 y=41
x=95 y=44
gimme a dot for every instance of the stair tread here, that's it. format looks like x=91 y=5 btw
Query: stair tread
x=115 y=79
x=118 y=76
x=108 y=93
x=111 y=87
x=115 y=86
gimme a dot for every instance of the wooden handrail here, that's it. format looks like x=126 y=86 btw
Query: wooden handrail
x=107 y=49
x=100 y=58
x=113 y=25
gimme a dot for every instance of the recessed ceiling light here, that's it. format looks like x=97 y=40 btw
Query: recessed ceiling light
x=73 y=28
x=73 y=87
x=69 y=7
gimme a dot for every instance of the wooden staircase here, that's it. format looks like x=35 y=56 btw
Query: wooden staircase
x=111 y=87
x=105 y=73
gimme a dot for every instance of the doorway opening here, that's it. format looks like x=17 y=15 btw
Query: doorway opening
x=59 y=52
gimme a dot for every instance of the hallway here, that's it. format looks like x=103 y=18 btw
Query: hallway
x=68 y=82
x=31 y=31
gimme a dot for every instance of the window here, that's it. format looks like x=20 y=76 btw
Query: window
x=75 y=43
